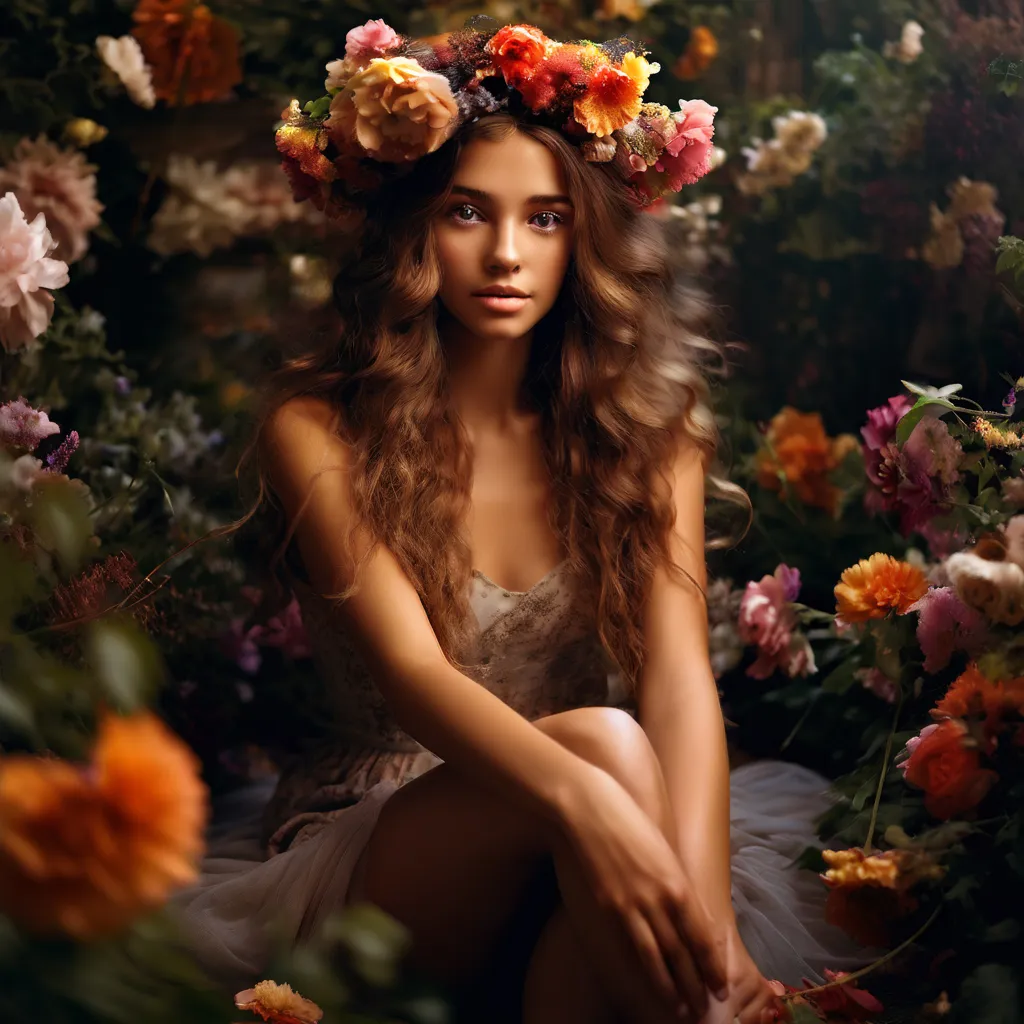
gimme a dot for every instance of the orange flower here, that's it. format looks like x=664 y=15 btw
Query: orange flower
x=868 y=914
x=876 y=586
x=700 y=53
x=193 y=53
x=278 y=1004
x=972 y=693
x=303 y=140
x=800 y=455
x=517 y=50
x=613 y=96
x=84 y=850
x=890 y=869
x=948 y=770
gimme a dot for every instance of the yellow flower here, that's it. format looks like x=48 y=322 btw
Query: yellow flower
x=84 y=850
x=614 y=95
x=278 y=1004
x=891 y=869
x=394 y=109
x=876 y=586
x=997 y=437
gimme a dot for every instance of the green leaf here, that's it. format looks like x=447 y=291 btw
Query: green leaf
x=125 y=662
x=924 y=406
x=59 y=517
x=841 y=678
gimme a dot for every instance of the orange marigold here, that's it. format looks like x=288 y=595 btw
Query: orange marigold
x=973 y=693
x=84 y=850
x=876 y=586
x=799 y=455
x=613 y=96
x=888 y=869
x=193 y=53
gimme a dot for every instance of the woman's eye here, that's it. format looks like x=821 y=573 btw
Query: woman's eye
x=464 y=212
x=551 y=219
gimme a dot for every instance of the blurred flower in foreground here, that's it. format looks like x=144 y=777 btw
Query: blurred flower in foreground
x=85 y=849
x=798 y=454
x=278 y=1004
x=26 y=271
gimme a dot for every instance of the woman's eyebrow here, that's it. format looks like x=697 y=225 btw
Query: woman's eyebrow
x=477 y=193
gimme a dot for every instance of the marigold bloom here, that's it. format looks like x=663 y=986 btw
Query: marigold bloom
x=888 y=869
x=613 y=96
x=972 y=693
x=876 y=586
x=193 y=54
x=997 y=437
x=517 y=50
x=799 y=455
x=84 y=850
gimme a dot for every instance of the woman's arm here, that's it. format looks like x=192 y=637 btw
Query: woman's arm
x=678 y=699
x=460 y=721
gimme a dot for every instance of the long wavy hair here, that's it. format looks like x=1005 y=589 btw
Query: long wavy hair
x=618 y=368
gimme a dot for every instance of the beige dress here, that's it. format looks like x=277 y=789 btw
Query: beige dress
x=281 y=853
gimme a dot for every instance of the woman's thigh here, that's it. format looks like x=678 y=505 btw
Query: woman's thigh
x=464 y=870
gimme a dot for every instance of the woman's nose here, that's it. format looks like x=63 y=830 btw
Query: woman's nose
x=506 y=251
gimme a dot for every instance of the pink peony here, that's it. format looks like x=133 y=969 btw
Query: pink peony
x=767 y=621
x=373 y=39
x=60 y=184
x=23 y=427
x=687 y=155
x=239 y=644
x=944 y=625
x=25 y=272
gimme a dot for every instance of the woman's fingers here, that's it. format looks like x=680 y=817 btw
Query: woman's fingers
x=651 y=957
x=705 y=942
x=689 y=985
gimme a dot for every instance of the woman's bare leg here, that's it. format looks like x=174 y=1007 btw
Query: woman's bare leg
x=454 y=864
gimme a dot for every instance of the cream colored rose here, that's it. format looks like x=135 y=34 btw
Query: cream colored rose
x=394 y=109
x=995 y=588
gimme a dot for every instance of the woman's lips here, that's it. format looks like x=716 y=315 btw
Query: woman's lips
x=503 y=303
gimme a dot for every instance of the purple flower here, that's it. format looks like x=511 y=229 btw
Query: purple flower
x=1010 y=401
x=881 y=426
x=57 y=461
x=287 y=632
x=790 y=580
x=239 y=644
x=944 y=625
x=122 y=385
x=23 y=427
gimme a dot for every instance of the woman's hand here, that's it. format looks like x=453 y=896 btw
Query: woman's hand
x=751 y=999
x=636 y=876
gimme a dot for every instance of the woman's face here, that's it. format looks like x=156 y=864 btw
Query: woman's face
x=507 y=226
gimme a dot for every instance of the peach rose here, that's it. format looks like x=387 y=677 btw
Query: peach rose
x=949 y=772
x=394 y=109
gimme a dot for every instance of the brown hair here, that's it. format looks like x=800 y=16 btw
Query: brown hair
x=616 y=372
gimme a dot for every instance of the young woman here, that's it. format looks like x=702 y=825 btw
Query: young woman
x=491 y=492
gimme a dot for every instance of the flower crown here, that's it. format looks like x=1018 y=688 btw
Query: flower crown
x=392 y=100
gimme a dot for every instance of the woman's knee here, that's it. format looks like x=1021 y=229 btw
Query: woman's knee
x=614 y=741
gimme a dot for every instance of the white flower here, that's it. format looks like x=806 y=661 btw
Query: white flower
x=25 y=272
x=23 y=472
x=909 y=47
x=124 y=57
x=800 y=131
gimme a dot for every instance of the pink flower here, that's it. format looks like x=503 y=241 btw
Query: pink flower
x=877 y=682
x=60 y=184
x=21 y=426
x=57 y=461
x=373 y=39
x=944 y=625
x=25 y=271
x=687 y=155
x=790 y=580
x=767 y=620
x=287 y=632
x=881 y=430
